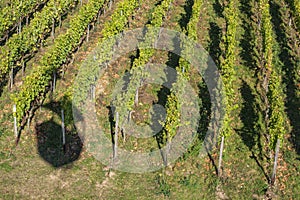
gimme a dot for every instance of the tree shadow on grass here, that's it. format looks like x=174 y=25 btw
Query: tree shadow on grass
x=50 y=141
x=50 y=148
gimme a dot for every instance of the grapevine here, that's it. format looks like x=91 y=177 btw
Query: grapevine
x=137 y=71
x=275 y=118
x=24 y=44
x=35 y=84
x=16 y=12
x=175 y=99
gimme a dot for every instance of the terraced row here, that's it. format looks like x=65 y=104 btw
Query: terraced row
x=15 y=12
x=35 y=84
x=20 y=46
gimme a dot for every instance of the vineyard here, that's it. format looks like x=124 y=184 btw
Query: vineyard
x=72 y=69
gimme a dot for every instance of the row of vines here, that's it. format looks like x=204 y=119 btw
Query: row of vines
x=125 y=101
x=14 y=13
x=23 y=45
x=270 y=91
x=35 y=84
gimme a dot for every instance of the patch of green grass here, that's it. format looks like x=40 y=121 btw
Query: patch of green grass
x=163 y=186
x=6 y=167
x=11 y=196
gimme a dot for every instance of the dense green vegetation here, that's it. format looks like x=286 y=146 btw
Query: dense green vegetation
x=255 y=45
x=14 y=13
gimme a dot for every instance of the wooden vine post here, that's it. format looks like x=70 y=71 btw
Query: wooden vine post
x=115 y=146
x=12 y=78
x=63 y=130
x=15 y=120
